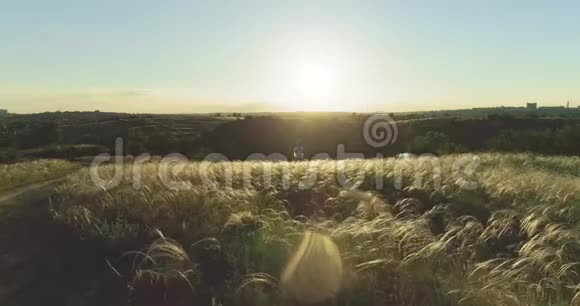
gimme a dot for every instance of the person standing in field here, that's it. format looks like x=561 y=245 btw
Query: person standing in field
x=299 y=151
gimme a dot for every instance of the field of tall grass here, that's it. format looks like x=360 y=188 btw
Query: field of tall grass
x=490 y=229
x=24 y=173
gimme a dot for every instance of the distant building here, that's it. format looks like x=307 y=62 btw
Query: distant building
x=532 y=106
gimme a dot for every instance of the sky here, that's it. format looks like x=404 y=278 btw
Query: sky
x=254 y=56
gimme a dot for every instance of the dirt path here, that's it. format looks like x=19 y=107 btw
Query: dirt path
x=42 y=263
x=34 y=188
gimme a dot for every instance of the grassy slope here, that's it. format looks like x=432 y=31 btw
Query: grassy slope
x=513 y=240
x=24 y=173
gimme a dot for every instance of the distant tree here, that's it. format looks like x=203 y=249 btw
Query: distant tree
x=37 y=134
x=539 y=141
x=432 y=142
x=567 y=140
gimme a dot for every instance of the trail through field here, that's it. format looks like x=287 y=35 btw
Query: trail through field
x=40 y=264
x=6 y=199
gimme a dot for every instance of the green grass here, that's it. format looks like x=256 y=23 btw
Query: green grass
x=512 y=240
x=25 y=173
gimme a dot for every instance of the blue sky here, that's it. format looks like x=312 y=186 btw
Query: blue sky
x=205 y=56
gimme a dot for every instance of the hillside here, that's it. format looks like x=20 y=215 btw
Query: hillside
x=238 y=139
x=74 y=135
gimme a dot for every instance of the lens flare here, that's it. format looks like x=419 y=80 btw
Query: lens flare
x=314 y=273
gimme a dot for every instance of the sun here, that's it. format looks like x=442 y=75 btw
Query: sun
x=311 y=78
x=313 y=81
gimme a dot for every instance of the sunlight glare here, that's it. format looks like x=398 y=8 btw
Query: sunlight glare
x=313 y=81
x=311 y=77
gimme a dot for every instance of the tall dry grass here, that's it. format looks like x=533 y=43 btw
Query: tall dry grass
x=421 y=238
x=23 y=173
